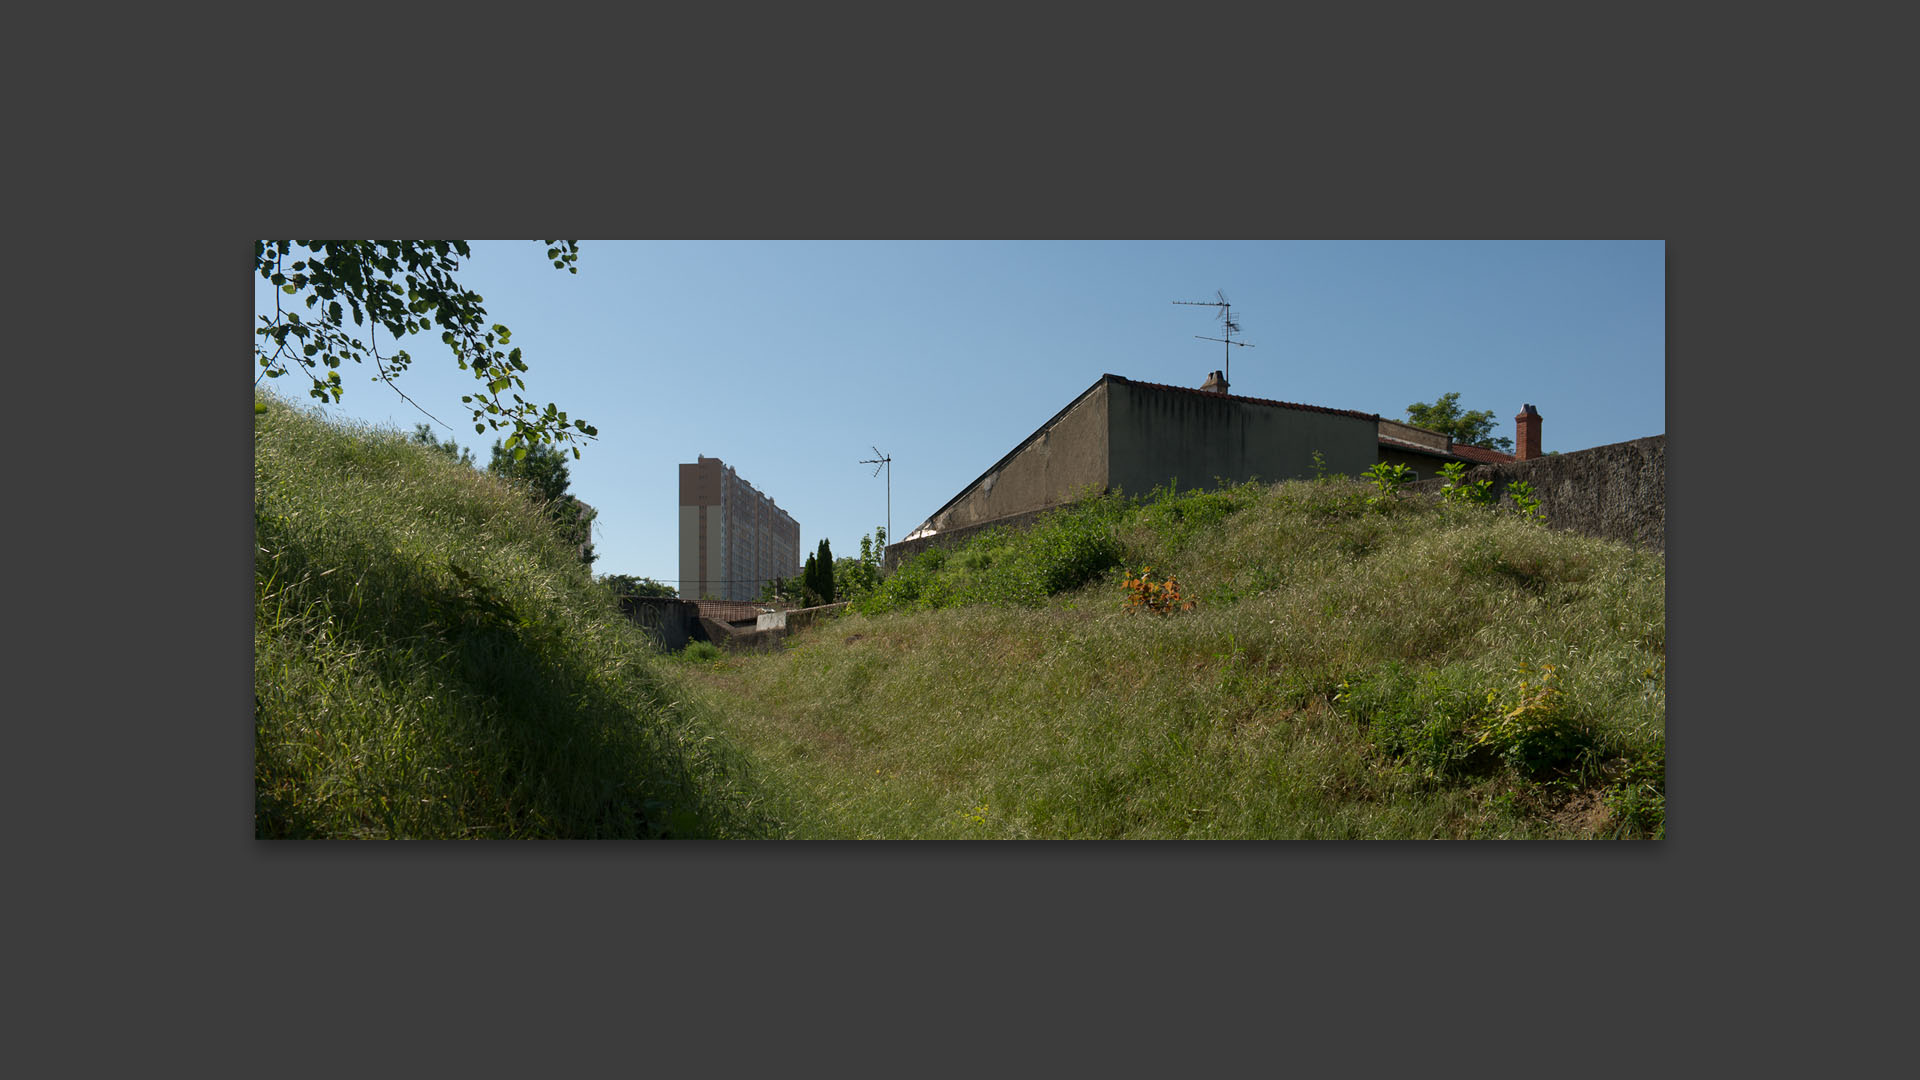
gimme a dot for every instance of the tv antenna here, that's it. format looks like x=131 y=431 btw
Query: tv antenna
x=879 y=461
x=1231 y=328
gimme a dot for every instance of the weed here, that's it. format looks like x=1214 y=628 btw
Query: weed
x=1638 y=802
x=1387 y=481
x=1530 y=726
x=1525 y=502
x=1458 y=491
x=1159 y=597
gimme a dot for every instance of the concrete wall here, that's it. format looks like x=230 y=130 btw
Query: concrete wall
x=1067 y=454
x=666 y=620
x=689 y=552
x=952 y=538
x=1424 y=466
x=1158 y=434
x=1618 y=491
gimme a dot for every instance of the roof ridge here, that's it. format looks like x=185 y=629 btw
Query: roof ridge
x=1244 y=397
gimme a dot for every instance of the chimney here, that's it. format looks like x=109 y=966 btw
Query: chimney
x=1216 y=382
x=1526 y=434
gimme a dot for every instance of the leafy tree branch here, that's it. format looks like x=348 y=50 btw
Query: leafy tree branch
x=404 y=287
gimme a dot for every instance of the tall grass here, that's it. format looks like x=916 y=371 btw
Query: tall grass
x=431 y=661
x=1352 y=669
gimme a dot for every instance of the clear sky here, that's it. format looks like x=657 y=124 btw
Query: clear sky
x=792 y=360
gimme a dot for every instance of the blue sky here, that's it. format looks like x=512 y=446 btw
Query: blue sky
x=791 y=360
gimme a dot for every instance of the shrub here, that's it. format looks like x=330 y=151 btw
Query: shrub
x=1387 y=481
x=1458 y=491
x=1525 y=503
x=1530 y=726
x=1160 y=597
x=700 y=652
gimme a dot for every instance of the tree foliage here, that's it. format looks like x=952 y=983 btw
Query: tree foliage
x=628 y=585
x=856 y=576
x=822 y=583
x=541 y=471
x=333 y=279
x=1446 y=417
x=423 y=434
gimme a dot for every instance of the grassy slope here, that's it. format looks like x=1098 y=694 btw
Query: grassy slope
x=1349 y=671
x=429 y=662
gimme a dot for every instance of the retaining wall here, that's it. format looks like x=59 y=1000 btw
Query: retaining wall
x=1617 y=491
x=951 y=538
x=668 y=621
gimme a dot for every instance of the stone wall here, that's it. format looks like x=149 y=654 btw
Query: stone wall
x=1617 y=491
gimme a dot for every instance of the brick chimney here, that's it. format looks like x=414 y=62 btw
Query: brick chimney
x=1526 y=434
x=1216 y=382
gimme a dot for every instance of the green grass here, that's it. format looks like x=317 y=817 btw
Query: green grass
x=429 y=661
x=1349 y=672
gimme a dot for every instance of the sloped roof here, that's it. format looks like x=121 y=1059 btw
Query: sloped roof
x=1411 y=448
x=1479 y=455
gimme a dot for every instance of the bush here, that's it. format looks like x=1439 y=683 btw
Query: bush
x=700 y=652
x=1530 y=726
x=1458 y=491
x=1062 y=551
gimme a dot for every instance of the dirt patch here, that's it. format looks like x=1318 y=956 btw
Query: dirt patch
x=1584 y=813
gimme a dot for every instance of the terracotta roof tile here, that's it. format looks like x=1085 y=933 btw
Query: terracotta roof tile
x=1480 y=454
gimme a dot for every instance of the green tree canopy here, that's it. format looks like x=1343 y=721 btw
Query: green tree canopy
x=1445 y=416
x=856 y=576
x=423 y=434
x=541 y=471
x=823 y=566
x=331 y=279
x=628 y=585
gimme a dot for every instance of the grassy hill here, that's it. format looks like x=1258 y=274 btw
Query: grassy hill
x=431 y=662
x=1349 y=667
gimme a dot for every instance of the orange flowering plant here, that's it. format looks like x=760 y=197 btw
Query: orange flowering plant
x=1161 y=597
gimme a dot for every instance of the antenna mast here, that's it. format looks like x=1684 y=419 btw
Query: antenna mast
x=878 y=461
x=1231 y=327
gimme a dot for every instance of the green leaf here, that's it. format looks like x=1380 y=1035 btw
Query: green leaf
x=288 y=289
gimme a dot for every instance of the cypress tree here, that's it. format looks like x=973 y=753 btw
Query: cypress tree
x=826 y=572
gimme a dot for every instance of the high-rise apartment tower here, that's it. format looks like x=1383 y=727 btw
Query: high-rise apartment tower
x=732 y=538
